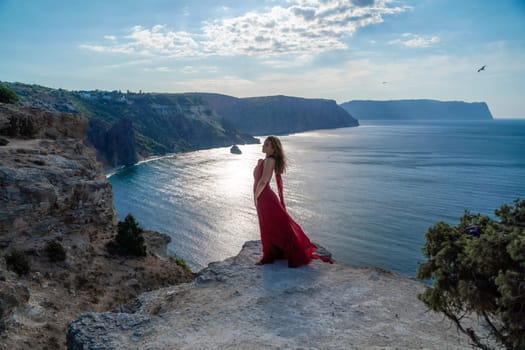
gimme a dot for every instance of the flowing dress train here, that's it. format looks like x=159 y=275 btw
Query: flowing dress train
x=281 y=236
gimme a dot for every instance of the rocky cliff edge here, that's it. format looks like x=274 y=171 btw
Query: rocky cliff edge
x=235 y=304
x=52 y=189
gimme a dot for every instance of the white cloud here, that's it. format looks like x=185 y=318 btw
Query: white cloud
x=157 y=41
x=301 y=27
x=416 y=41
x=158 y=69
x=224 y=84
x=103 y=48
x=129 y=63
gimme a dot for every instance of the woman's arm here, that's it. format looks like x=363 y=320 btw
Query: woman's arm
x=268 y=167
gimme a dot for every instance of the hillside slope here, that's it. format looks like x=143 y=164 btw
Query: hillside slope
x=279 y=114
x=155 y=124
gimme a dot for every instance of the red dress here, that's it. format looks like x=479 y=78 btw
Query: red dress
x=281 y=236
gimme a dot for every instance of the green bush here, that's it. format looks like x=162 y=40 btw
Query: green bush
x=478 y=267
x=18 y=262
x=182 y=263
x=55 y=251
x=7 y=95
x=129 y=237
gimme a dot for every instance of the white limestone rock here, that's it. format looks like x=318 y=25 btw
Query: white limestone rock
x=235 y=304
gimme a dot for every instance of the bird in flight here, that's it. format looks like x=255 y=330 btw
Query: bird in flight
x=482 y=68
x=384 y=82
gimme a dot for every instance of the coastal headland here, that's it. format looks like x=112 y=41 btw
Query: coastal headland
x=54 y=190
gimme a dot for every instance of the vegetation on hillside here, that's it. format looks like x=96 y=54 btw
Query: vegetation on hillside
x=478 y=267
x=17 y=261
x=161 y=123
x=55 y=251
x=7 y=95
x=129 y=240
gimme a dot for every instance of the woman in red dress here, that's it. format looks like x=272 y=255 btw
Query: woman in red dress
x=281 y=236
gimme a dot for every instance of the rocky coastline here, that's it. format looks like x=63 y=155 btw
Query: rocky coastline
x=53 y=190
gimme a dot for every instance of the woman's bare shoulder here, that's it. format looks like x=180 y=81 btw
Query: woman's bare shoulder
x=269 y=163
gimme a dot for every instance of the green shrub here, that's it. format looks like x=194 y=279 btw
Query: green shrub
x=182 y=263
x=478 y=266
x=7 y=95
x=129 y=238
x=55 y=251
x=18 y=262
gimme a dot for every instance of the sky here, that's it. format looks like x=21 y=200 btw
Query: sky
x=332 y=49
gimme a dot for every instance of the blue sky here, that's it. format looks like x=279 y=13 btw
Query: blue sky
x=341 y=50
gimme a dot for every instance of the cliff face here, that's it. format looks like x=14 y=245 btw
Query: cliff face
x=160 y=123
x=167 y=123
x=235 y=304
x=418 y=110
x=50 y=182
x=115 y=144
x=52 y=189
x=279 y=114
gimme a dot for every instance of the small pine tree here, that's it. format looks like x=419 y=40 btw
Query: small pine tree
x=478 y=266
x=18 y=262
x=130 y=238
x=7 y=95
x=55 y=251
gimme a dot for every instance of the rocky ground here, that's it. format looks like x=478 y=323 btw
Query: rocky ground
x=52 y=189
x=236 y=304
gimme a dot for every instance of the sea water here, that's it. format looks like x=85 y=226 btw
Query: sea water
x=367 y=194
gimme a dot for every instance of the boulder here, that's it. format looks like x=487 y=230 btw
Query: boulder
x=235 y=150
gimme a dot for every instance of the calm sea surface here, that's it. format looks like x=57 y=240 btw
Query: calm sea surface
x=367 y=194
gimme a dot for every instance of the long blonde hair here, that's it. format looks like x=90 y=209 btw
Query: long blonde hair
x=278 y=155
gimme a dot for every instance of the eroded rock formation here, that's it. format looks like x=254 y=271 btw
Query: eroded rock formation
x=53 y=190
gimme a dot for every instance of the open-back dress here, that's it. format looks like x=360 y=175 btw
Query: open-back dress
x=281 y=236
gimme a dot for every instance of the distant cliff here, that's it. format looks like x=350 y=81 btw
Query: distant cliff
x=125 y=126
x=418 y=110
x=115 y=143
x=278 y=114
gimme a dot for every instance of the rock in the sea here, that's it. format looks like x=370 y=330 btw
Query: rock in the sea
x=235 y=304
x=235 y=150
